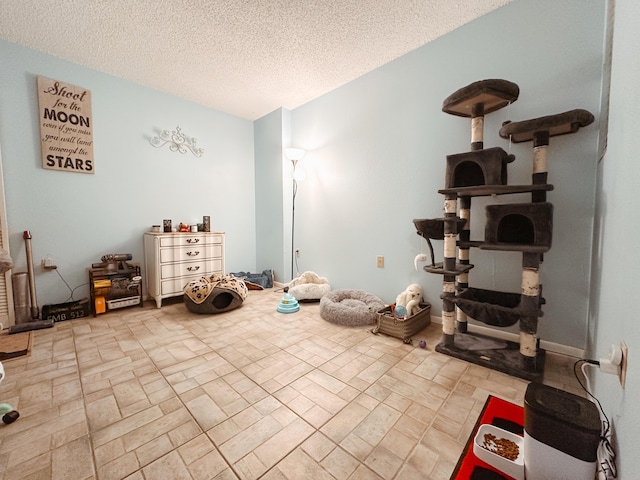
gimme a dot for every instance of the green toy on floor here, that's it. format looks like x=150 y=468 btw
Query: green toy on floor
x=9 y=415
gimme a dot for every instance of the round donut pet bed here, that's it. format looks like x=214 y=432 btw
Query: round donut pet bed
x=350 y=307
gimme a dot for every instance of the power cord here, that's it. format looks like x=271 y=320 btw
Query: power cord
x=606 y=467
x=72 y=290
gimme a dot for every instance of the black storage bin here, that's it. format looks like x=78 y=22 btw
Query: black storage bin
x=567 y=424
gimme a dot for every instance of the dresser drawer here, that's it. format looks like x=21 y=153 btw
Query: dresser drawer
x=185 y=239
x=175 y=286
x=198 y=268
x=190 y=253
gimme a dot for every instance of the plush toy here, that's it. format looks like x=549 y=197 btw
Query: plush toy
x=410 y=299
x=9 y=415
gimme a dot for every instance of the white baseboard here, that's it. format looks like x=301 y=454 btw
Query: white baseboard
x=514 y=337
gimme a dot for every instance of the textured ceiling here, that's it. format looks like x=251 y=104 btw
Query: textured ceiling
x=244 y=57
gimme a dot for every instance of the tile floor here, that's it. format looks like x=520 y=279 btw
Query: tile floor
x=146 y=393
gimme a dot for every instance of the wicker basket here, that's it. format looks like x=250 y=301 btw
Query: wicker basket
x=402 y=329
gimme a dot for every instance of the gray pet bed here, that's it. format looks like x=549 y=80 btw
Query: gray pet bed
x=350 y=307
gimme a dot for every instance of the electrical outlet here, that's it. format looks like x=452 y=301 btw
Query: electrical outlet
x=47 y=263
x=622 y=372
x=380 y=261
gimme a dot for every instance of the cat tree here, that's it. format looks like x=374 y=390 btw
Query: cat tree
x=520 y=227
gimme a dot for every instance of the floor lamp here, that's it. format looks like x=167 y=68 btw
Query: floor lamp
x=295 y=155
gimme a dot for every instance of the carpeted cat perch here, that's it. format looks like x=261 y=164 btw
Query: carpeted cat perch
x=350 y=307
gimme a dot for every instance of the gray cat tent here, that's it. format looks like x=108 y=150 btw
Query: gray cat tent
x=215 y=294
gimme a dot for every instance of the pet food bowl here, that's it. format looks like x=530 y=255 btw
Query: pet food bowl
x=492 y=437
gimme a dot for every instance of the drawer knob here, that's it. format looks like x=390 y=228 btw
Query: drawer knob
x=193 y=240
x=193 y=269
x=193 y=254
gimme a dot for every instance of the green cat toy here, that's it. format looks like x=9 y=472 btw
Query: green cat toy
x=9 y=415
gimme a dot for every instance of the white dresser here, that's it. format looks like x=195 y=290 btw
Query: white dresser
x=174 y=259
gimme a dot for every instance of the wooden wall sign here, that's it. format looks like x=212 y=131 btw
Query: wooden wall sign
x=66 y=126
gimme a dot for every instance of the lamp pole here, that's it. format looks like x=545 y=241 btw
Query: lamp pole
x=293 y=213
x=295 y=155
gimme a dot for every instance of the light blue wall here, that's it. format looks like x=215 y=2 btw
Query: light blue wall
x=377 y=148
x=617 y=263
x=76 y=218
x=270 y=239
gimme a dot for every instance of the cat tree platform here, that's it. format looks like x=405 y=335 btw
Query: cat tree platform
x=492 y=94
x=557 y=124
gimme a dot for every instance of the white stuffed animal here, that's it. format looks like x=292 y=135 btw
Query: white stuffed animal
x=410 y=299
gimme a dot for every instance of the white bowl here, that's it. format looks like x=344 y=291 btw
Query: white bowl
x=513 y=468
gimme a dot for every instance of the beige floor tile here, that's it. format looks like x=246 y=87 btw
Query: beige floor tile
x=377 y=424
x=119 y=468
x=422 y=459
x=168 y=467
x=164 y=393
x=73 y=460
x=250 y=467
x=343 y=423
x=275 y=448
x=37 y=467
x=356 y=446
x=36 y=447
x=383 y=462
x=365 y=473
x=340 y=464
x=318 y=446
x=298 y=465
x=245 y=441
x=398 y=443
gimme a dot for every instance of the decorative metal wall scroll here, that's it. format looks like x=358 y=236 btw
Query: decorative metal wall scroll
x=177 y=141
